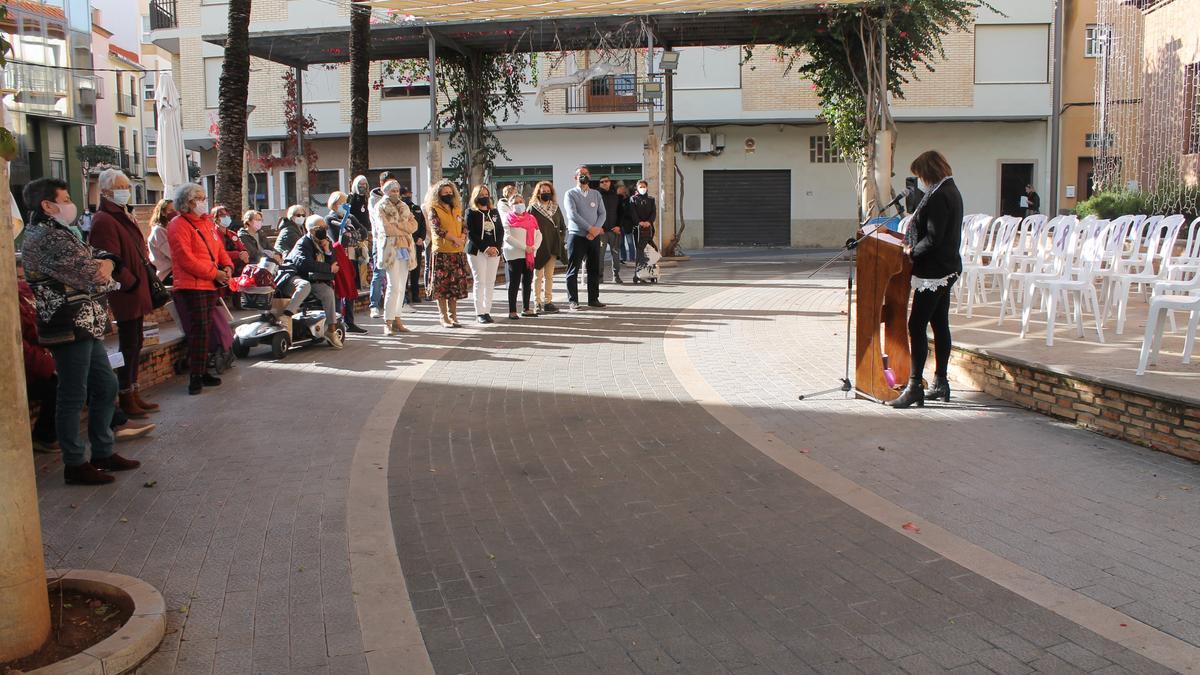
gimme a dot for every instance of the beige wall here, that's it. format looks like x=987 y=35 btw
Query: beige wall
x=1171 y=42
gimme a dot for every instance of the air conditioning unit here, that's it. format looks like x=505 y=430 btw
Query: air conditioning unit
x=273 y=149
x=697 y=143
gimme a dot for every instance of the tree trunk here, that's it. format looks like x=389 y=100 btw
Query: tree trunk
x=360 y=66
x=235 y=84
x=477 y=92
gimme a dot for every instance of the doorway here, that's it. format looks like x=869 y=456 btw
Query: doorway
x=1014 y=176
x=1086 y=178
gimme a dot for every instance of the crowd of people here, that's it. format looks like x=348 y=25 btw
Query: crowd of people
x=75 y=283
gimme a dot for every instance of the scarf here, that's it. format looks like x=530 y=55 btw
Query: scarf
x=524 y=221
x=547 y=209
x=910 y=237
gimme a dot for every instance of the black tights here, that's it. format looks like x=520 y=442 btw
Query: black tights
x=520 y=278
x=930 y=308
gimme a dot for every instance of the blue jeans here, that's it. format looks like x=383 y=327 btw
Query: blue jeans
x=377 y=277
x=631 y=252
x=84 y=376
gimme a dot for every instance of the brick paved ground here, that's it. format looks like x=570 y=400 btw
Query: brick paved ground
x=560 y=504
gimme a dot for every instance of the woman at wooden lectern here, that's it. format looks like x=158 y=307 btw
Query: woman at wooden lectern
x=932 y=242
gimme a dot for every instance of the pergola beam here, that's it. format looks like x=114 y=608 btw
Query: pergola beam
x=447 y=41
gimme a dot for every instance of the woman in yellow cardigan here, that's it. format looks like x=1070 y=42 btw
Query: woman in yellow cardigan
x=451 y=275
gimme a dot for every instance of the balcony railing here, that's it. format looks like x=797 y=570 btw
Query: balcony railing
x=614 y=93
x=51 y=91
x=127 y=104
x=162 y=15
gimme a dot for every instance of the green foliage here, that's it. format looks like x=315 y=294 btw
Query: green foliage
x=95 y=155
x=193 y=171
x=833 y=53
x=1109 y=205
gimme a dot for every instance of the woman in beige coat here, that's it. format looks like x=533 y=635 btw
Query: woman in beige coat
x=393 y=226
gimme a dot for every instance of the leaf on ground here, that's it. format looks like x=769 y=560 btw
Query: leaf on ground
x=805 y=451
x=150 y=483
x=183 y=609
x=124 y=520
x=882 y=449
x=911 y=528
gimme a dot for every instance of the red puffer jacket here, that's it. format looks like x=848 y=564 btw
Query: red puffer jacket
x=196 y=252
x=39 y=363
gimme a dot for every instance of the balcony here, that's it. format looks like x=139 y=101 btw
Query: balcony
x=54 y=92
x=611 y=94
x=162 y=15
x=126 y=105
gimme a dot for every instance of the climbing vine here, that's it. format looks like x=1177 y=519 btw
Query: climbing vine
x=298 y=127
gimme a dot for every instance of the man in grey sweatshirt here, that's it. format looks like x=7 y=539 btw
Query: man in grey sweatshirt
x=584 y=211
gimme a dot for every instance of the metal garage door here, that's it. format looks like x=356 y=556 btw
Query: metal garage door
x=747 y=208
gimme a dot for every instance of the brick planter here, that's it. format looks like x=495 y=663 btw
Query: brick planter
x=1151 y=419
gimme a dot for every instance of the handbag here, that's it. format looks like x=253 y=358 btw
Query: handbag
x=159 y=295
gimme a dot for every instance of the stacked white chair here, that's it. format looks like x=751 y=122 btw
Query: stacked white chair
x=1075 y=279
x=1147 y=266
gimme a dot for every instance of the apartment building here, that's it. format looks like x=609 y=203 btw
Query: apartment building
x=747 y=130
x=46 y=99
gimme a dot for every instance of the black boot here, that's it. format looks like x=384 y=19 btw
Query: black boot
x=195 y=385
x=913 y=393
x=939 y=390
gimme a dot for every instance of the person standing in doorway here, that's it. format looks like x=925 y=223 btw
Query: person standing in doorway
x=485 y=237
x=554 y=237
x=585 y=215
x=450 y=276
x=1031 y=201
x=610 y=241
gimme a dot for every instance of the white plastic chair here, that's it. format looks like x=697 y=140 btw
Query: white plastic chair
x=1159 y=242
x=1047 y=246
x=974 y=234
x=1162 y=306
x=1076 y=280
x=1187 y=262
x=989 y=260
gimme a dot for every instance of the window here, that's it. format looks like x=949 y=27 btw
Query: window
x=323 y=184
x=1094 y=38
x=619 y=173
x=1191 y=120
x=524 y=177
x=256 y=190
x=822 y=151
x=396 y=85
x=1094 y=140
x=148 y=87
x=89 y=135
x=151 y=146
x=322 y=84
x=402 y=176
x=212 y=81
x=58 y=169
x=1012 y=53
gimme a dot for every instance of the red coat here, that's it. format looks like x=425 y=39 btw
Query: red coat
x=344 y=286
x=195 y=246
x=39 y=363
x=114 y=231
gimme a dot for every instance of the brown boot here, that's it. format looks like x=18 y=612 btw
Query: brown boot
x=129 y=406
x=115 y=462
x=143 y=403
x=454 y=313
x=85 y=474
x=399 y=327
x=444 y=310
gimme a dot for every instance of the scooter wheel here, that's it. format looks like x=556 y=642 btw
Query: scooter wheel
x=280 y=344
x=654 y=280
x=240 y=349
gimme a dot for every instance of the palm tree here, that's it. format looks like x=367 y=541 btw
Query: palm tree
x=235 y=84
x=360 y=65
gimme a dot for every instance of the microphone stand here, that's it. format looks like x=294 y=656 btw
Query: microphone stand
x=847 y=386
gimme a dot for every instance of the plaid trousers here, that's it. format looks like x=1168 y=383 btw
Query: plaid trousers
x=200 y=308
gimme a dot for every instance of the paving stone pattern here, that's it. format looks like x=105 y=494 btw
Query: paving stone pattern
x=1114 y=521
x=561 y=505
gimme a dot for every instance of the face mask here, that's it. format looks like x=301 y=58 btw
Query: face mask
x=922 y=186
x=255 y=225
x=225 y=221
x=518 y=208
x=361 y=189
x=447 y=199
x=200 y=208
x=121 y=197
x=642 y=191
x=546 y=196
x=407 y=199
x=482 y=201
x=395 y=197
x=299 y=220
x=584 y=179
x=321 y=234
x=66 y=213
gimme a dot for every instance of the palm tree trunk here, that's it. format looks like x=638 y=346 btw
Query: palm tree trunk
x=235 y=84
x=360 y=65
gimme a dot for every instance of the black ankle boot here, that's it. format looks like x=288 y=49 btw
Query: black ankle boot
x=913 y=393
x=195 y=385
x=939 y=390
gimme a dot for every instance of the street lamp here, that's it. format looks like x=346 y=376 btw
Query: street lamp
x=669 y=61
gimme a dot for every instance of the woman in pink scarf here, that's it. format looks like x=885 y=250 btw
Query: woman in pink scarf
x=522 y=237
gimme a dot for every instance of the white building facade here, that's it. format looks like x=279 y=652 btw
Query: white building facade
x=987 y=107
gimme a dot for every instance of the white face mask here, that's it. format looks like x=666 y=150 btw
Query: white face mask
x=121 y=197
x=255 y=225
x=200 y=208
x=922 y=186
x=518 y=208
x=66 y=213
x=225 y=221
x=299 y=220
x=642 y=191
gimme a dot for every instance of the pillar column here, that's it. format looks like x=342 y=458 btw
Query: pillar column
x=24 y=603
x=435 y=161
x=666 y=195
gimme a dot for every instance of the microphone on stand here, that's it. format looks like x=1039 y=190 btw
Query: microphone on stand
x=896 y=202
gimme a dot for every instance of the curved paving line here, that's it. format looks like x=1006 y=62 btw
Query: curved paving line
x=1080 y=609
x=392 y=640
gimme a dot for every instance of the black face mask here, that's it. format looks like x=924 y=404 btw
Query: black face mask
x=321 y=234
x=407 y=199
x=546 y=196
x=447 y=199
x=362 y=189
x=585 y=179
x=482 y=201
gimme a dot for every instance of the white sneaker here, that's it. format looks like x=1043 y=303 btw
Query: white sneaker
x=375 y=313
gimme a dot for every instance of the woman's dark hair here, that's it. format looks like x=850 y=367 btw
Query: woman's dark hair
x=40 y=190
x=931 y=166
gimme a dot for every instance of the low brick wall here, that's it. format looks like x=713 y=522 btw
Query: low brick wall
x=1148 y=419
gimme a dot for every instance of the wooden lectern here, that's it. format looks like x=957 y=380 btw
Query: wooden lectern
x=884 y=280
